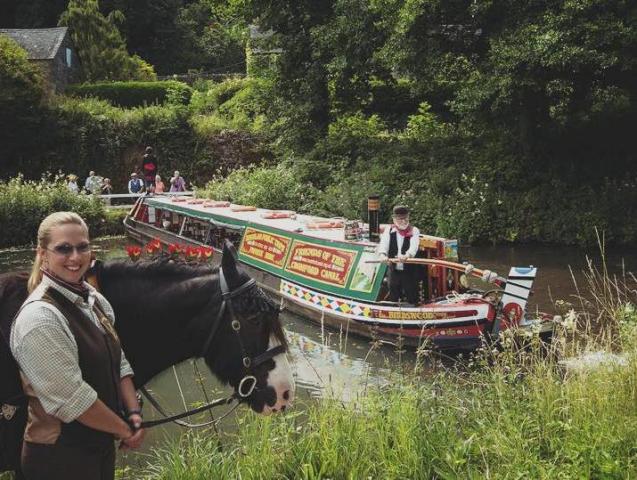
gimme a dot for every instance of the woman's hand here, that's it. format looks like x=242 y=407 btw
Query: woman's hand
x=137 y=437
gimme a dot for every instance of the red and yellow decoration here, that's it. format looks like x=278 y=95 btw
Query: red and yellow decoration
x=134 y=252
x=155 y=249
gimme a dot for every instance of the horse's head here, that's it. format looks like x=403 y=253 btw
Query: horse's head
x=169 y=311
x=248 y=347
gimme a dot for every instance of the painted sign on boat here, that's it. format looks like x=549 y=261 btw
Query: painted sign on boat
x=321 y=263
x=264 y=246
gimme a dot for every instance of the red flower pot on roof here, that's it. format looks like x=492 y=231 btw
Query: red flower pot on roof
x=134 y=252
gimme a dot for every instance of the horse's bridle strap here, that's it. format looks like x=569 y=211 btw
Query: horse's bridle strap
x=228 y=295
x=268 y=355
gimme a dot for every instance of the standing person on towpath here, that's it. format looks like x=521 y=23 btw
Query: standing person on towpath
x=72 y=183
x=73 y=370
x=149 y=167
x=93 y=183
x=159 y=185
x=177 y=183
x=135 y=184
x=401 y=241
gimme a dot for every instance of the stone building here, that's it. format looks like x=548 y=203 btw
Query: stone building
x=52 y=50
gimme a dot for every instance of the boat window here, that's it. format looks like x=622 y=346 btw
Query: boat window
x=196 y=229
x=171 y=221
x=217 y=236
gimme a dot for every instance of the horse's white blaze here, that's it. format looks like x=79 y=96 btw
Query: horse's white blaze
x=281 y=380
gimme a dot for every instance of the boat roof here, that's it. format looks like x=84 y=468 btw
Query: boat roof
x=290 y=248
x=299 y=224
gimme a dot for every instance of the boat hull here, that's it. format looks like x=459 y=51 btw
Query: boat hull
x=446 y=325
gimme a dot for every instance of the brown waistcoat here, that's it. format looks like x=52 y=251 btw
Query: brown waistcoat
x=99 y=356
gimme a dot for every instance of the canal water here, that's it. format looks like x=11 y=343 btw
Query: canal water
x=327 y=363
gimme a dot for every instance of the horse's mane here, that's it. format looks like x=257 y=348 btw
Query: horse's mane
x=161 y=267
x=175 y=272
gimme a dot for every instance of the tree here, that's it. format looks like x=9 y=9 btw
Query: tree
x=301 y=110
x=21 y=85
x=21 y=93
x=558 y=77
x=100 y=45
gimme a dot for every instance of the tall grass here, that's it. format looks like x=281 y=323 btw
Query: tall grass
x=507 y=413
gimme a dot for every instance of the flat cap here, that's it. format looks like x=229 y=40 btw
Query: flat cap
x=400 y=211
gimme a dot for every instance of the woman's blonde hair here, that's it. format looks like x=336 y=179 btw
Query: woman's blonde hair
x=44 y=237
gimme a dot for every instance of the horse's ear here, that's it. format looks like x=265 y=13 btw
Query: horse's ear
x=229 y=260
x=92 y=275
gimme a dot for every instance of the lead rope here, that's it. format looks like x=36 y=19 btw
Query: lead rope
x=200 y=381
x=176 y=418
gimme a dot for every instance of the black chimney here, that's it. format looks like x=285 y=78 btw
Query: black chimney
x=373 y=210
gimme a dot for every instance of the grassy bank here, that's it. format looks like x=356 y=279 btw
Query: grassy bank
x=492 y=425
x=503 y=414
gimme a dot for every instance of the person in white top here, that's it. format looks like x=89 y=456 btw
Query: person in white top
x=400 y=241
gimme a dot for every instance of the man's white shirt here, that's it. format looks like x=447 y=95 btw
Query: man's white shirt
x=383 y=246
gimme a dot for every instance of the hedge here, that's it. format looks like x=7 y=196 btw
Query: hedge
x=135 y=94
x=24 y=204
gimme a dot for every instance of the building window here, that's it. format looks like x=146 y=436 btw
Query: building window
x=69 y=57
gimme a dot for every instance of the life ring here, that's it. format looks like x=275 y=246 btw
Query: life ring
x=512 y=312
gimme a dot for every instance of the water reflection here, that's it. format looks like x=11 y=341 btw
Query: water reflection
x=321 y=369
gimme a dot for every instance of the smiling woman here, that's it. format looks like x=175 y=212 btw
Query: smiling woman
x=73 y=371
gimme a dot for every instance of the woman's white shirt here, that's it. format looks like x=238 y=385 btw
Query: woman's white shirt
x=44 y=347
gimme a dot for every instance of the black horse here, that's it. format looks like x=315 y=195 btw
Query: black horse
x=167 y=312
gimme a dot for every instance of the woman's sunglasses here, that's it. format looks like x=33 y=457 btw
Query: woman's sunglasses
x=66 y=249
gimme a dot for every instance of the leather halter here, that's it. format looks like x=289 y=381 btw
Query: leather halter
x=248 y=362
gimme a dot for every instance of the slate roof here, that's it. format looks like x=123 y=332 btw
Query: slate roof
x=40 y=43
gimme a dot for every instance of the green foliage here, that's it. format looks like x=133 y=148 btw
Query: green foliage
x=24 y=204
x=20 y=81
x=235 y=104
x=21 y=95
x=135 y=94
x=473 y=212
x=392 y=100
x=112 y=223
x=100 y=46
x=412 y=99
x=211 y=98
x=268 y=187
x=144 y=71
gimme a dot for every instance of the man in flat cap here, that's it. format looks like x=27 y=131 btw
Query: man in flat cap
x=400 y=241
x=135 y=184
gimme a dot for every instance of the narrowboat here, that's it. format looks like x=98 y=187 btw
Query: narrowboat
x=327 y=270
